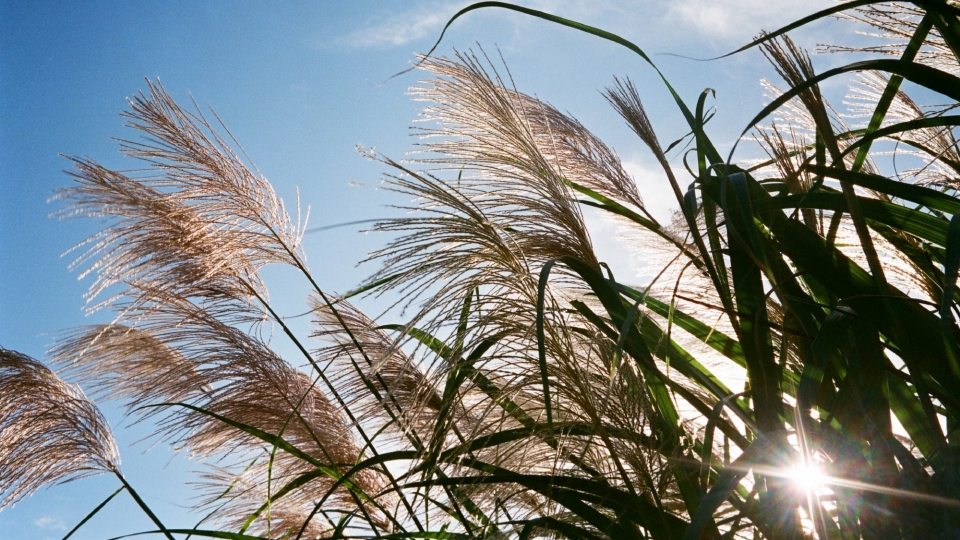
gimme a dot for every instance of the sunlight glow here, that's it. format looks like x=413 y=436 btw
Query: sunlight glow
x=807 y=477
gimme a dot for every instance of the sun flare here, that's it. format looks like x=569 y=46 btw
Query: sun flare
x=807 y=477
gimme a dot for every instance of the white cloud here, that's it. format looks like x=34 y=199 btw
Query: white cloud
x=50 y=523
x=727 y=20
x=402 y=28
x=618 y=245
x=426 y=19
x=732 y=18
x=655 y=189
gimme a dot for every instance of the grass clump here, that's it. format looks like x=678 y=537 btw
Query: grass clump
x=530 y=393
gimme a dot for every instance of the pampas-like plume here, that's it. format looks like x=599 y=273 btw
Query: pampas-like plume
x=49 y=430
x=184 y=243
x=484 y=236
x=389 y=392
x=935 y=147
x=182 y=355
x=508 y=212
x=247 y=493
x=580 y=155
x=789 y=153
x=794 y=65
x=401 y=387
x=897 y=24
x=625 y=99
x=492 y=229
x=227 y=372
x=198 y=224
x=501 y=141
x=129 y=364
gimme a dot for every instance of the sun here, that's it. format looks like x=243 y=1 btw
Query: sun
x=807 y=477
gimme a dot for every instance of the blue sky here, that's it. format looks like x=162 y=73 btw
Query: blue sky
x=300 y=85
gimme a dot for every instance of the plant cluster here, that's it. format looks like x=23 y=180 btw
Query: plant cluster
x=531 y=393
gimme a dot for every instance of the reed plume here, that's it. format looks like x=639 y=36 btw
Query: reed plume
x=49 y=431
x=181 y=255
x=359 y=354
x=893 y=24
x=479 y=247
x=491 y=230
x=197 y=222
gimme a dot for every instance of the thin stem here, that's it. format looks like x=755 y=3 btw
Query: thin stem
x=369 y=443
x=94 y=512
x=136 y=497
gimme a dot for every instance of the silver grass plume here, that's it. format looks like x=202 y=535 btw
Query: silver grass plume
x=509 y=199
x=789 y=150
x=581 y=156
x=897 y=24
x=196 y=222
x=388 y=391
x=125 y=363
x=401 y=387
x=49 y=430
x=794 y=65
x=185 y=239
x=669 y=251
x=506 y=214
x=485 y=235
x=861 y=102
x=933 y=147
x=184 y=355
x=795 y=118
x=509 y=143
x=623 y=96
x=233 y=497
x=663 y=248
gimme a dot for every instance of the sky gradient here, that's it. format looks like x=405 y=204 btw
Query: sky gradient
x=300 y=85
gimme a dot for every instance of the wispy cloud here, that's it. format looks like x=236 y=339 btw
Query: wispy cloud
x=427 y=18
x=421 y=20
x=731 y=18
x=654 y=187
x=717 y=19
x=50 y=523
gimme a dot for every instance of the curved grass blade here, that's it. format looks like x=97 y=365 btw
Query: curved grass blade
x=746 y=266
x=828 y=339
x=613 y=206
x=920 y=74
x=717 y=341
x=706 y=455
x=823 y=14
x=553 y=524
x=572 y=492
x=143 y=506
x=920 y=224
x=951 y=268
x=541 y=345
x=713 y=155
x=928 y=197
x=205 y=533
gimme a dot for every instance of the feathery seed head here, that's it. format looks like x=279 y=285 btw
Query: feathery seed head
x=49 y=430
x=198 y=223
